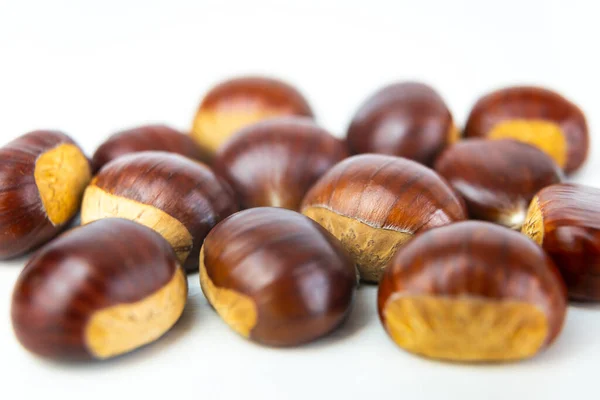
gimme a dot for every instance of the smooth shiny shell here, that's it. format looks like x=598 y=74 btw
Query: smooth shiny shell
x=42 y=178
x=408 y=119
x=565 y=220
x=239 y=102
x=374 y=203
x=472 y=291
x=145 y=138
x=497 y=179
x=276 y=277
x=275 y=162
x=98 y=291
x=180 y=198
x=537 y=116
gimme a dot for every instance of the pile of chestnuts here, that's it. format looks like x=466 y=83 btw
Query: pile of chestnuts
x=475 y=240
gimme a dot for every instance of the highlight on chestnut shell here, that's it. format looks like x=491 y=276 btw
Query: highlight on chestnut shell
x=146 y=138
x=375 y=203
x=239 y=102
x=179 y=198
x=276 y=277
x=472 y=292
x=275 y=162
x=536 y=116
x=95 y=294
x=42 y=178
x=407 y=119
x=497 y=179
x=565 y=220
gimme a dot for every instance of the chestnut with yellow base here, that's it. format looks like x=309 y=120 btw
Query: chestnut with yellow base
x=276 y=277
x=472 y=292
x=375 y=203
x=98 y=291
x=42 y=178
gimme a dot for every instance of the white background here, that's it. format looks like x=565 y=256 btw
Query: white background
x=90 y=68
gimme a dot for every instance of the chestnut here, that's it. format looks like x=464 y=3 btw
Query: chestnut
x=497 y=179
x=42 y=178
x=238 y=102
x=407 y=119
x=565 y=220
x=179 y=198
x=374 y=203
x=275 y=162
x=98 y=291
x=536 y=116
x=276 y=277
x=472 y=292
x=145 y=138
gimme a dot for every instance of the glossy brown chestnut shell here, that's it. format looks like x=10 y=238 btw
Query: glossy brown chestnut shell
x=497 y=179
x=374 y=203
x=275 y=162
x=42 y=178
x=536 y=116
x=98 y=291
x=408 y=119
x=145 y=138
x=565 y=220
x=179 y=198
x=238 y=102
x=472 y=292
x=276 y=277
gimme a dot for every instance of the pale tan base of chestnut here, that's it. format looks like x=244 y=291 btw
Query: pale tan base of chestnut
x=61 y=175
x=236 y=309
x=98 y=204
x=545 y=135
x=370 y=247
x=466 y=329
x=211 y=129
x=534 y=222
x=125 y=327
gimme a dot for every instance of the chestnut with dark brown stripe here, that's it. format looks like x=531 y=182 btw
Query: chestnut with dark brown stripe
x=275 y=162
x=146 y=138
x=276 y=277
x=473 y=292
x=98 y=291
x=408 y=119
x=536 y=116
x=497 y=179
x=42 y=178
x=374 y=203
x=178 y=197
x=565 y=220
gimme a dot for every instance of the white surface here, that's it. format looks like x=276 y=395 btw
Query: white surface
x=90 y=68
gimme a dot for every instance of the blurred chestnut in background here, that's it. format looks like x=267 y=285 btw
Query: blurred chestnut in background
x=407 y=119
x=42 y=178
x=497 y=179
x=276 y=277
x=179 y=198
x=375 y=203
x=145 y=138
x=536 y=116
x=98 y=291
x=238 y=102
x=275 y=162
x=472 y=292
x=565 y=220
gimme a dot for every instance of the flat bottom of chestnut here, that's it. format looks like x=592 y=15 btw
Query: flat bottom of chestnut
x=545 y=135
x=236 y=309
x=122 y=328
x=466 y=329
x=369 y=246
x=534 y=222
